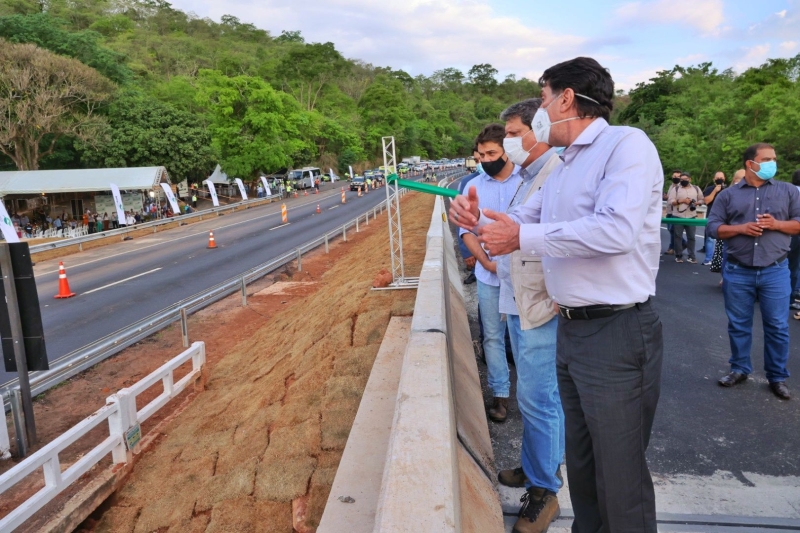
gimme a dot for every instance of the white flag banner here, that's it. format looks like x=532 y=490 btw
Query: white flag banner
x=121 y=216
x=267 y=191
x=176 y=209
x=333 y=176
x=9 y=233
x=241 y=188
x=351 y=172
x=213 y=192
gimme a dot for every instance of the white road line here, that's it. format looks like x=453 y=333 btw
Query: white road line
x=173 y=240
x=122 y=281
x=334 y=207
x=277 y=227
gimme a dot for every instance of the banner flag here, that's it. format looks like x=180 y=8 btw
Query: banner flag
x=267 y=190
x=121 y=217
x=9 y=233
x=333 y=176
x=351 y=172
x=241 y=188
x=176 y=209
x=213 y=192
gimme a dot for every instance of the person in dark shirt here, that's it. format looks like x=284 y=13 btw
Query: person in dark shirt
x=794 y=259
x=757 y=217
x=710 y=193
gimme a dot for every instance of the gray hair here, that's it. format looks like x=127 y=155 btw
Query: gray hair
x=524 y=110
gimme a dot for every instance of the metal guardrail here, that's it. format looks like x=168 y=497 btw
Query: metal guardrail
x=121 y=232
x=121 y=414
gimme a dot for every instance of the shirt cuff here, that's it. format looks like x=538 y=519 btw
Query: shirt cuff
x=531 y=239
x=482 y=221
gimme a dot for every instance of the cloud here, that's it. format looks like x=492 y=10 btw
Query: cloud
x=419 y=36
x=704 y=15
x=787 y=47
x=691 y=59
x=752 y=57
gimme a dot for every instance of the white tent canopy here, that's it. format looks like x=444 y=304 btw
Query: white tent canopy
x=218 y=177
x=81 y=180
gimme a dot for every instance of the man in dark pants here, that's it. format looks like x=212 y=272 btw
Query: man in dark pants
x=757 y=218
x=794 y=257
x=676 y=179
x=597 y=225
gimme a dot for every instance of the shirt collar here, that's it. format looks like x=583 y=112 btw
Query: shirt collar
x=744 y=183
x=487 y=177
x=587 y=137
x=534 y=168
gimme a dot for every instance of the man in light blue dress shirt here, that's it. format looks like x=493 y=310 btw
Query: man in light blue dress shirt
x=596 y=225
x=496 y=184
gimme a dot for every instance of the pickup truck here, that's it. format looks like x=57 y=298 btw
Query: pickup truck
x=357 y=182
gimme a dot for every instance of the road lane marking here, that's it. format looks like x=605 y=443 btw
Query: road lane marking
x=205 y=232
x=122 y=281
x=278 y=227
x=334 y=207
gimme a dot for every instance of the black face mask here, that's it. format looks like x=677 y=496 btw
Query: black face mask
x=676 y=180
x=719 y=182
x=493 y=168
x=684 y=183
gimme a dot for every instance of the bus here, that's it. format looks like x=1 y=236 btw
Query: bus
x=304 y=178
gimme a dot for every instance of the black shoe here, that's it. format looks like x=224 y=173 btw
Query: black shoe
x=780 y=390
x=734 y=378
x=470 y=279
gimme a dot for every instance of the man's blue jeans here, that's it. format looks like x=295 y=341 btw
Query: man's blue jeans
x=708 y=246
x=539 y=402
x=494 y=340
x=741 y=286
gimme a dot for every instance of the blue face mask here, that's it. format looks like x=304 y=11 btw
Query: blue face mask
x=479 y=168
x=767 y=170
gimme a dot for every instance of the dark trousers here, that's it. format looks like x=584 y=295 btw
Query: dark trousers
x=609 y=378
x=678 y=230
x=794 y=263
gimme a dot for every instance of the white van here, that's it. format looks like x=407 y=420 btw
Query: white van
x=304 y=178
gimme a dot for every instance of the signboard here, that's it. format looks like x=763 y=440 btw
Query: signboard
x=130 y=202
x=333 y=176
x=176 y=209
x=118 y=204
x=241 y=188
x=266 y=186
x=133 y=436
x=9 y=232
x=351 y=172
x=213 y=192
x=183 y=189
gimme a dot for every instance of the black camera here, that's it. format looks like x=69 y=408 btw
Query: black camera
x=693 y=205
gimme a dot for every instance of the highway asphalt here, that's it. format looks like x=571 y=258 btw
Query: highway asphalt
x=119 y=284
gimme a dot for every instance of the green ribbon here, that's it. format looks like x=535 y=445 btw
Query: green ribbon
x=685 y=221
x=422 y=187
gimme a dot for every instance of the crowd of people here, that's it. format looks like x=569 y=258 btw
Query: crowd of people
x=561 y=223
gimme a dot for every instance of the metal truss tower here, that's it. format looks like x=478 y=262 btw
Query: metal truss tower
x=399 y=279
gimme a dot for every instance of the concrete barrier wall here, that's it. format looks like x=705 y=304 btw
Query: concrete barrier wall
x=439 y=467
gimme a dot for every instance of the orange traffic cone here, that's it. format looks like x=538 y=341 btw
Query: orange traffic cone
x=212 y=244
x=344 y=198
x=63 y=284
x=318 y=210
x=284 y=214
x=305 y=193
x=295 y=194
x=359 y=191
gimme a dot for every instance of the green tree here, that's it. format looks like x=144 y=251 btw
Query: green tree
x=308 y=68
x=44 y=97
x=483 y=77
x=144 y=132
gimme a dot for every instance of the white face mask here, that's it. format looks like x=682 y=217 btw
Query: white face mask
x=541 y=120
x=516 y=153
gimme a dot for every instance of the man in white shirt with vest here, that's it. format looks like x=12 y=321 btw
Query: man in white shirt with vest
x=596 y=225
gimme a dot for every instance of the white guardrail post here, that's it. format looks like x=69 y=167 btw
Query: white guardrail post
x=122 y=417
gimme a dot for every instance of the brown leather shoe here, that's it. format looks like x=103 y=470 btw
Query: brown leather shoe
x=499 y=409
x=734 y=378
x=539 y=509
x=780 y=390
x=512 y=478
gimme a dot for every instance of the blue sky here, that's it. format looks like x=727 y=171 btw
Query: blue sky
x=634 y=39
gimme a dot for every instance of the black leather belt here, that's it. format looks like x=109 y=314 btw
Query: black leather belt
x=591 y=312
x=735 y=261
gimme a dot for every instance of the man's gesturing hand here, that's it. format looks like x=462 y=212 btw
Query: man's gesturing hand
x=464 y=209
x=751 y=229
x=500 y=237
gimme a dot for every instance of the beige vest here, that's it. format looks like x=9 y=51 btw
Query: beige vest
x=527 y=274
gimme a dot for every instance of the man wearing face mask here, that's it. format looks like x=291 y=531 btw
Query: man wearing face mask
x=496 y=186
x=532 y=327
x=709 y=194
x=684 y=200
x=676 y=179
x=757 y=217
x=596 y=224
